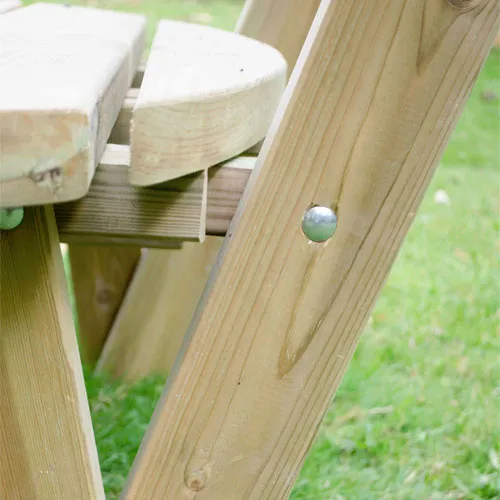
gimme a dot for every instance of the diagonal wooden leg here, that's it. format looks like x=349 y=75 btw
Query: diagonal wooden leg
x=46 y=438
x=101 y=276
x=370 y=106
x=157 y=310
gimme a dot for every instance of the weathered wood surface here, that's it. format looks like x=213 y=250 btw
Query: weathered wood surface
x=207 y=95
x=46 y=439
x=363 y=123
x=100 y=277
x=152 y=217
x=157 y=310
x=65 y=71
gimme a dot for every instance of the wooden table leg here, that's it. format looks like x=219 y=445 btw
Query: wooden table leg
x=101 y=276
x=368 y=111
x=46 y=438
x=156 y=312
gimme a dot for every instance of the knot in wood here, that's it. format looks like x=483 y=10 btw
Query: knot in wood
x=104 y=296
x=196 y=480
x=465 y=5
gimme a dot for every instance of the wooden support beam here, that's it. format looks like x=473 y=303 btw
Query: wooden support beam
x=152 y=217
x=54 y=132
x=374 y=97
x=100 y=278
x=207 y=95
x=46 y=437
x=157 y=310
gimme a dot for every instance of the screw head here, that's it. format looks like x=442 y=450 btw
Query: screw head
x=319 y=223
x=10 y=218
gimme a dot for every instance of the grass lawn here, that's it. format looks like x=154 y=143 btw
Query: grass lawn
x=418 y=413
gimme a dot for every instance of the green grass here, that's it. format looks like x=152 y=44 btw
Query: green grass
x=418 y=413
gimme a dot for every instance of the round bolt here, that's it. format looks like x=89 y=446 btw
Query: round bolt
x=10 y=218
x=319 y=223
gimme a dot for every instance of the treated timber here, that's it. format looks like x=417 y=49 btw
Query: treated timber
x=100 y=275
x=54 y=132
x=369 y=109
x=121 y=129
x=156 y=312
x=116 y=212
x=46 y=439
x=207 y=95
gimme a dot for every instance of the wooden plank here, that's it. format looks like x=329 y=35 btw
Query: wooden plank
x=375 y=95
x=100 y=279
x=9 y=5
x=54 y=132
x=46 y=437
x=153 y=216
x=207 y=95
x=283 y=24
x=114 y=208
x=121 y=129
x=105 y=240
x=157 y=310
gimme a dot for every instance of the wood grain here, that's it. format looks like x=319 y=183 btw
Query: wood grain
x=121 y=129
x=370 y=106
x=152 y=217
x=207 y=95
x=46 y=437
x=100 y=279
x=157 y=310
x=54 y=131
x=283 y=24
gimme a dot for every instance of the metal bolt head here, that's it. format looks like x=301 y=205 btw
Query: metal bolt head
x=319 y=223
x=10 y=218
